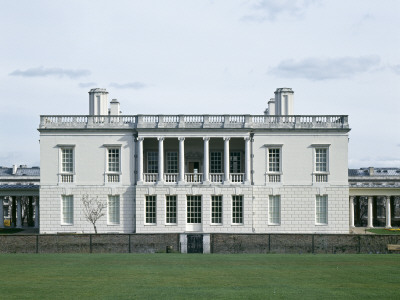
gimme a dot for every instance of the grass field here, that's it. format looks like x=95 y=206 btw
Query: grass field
x=178 y=276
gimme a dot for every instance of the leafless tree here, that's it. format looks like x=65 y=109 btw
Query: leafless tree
x=93 y=209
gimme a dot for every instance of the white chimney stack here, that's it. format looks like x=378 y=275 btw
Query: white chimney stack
x=98 y=103
x=14 y=170
x=284 y=101
x=271 y=106
x=114 y=107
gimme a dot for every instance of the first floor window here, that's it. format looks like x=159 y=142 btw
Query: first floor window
x=237 y=209
x=321 y=209
x=113 y=160
x=67 y=160
x=215 y=162
x=274 y=207
x=171 y=209
x=321 y=159
x=67 y=210
x=152 y=162
x=172 y=162
x=274 y=161
x=216 y=209
x=151 y=209
x=113 y=209
x=193 y=209
x=234 y=162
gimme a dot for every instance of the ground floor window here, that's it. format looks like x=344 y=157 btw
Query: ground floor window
x=216 y=209
x=113 y=209
x=321 y=209
x=193 y=209
x=274 y=210
x=237 y=209
x=67 y=210
x=170 y=209
x=151 y=214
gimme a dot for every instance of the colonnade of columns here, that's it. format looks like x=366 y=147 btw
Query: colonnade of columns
x=181 y=161
x=15 y=210
x=370 y=211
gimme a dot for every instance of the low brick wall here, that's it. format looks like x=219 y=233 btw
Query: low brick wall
x=301 y=243
x=88 y=243
x=219 y=243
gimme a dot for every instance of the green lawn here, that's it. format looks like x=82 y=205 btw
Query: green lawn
x=196 y=276
x=384 y=231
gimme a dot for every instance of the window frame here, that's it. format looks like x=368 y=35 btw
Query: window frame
x=194 y=215
x=65 y=220
x=268 y=161
x=155 y=167
x=318 y=213
x=147 y=213
x=237 y=216
x=214 y=162
x=273 y=209
x=317 y=147
x=174 y=213
x=172 y=164
x=238 y=161
x=108 y=159
x=118 y=210
x=219 y=208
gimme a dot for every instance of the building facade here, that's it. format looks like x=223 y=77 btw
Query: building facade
x=19 y=196
x=271 y=173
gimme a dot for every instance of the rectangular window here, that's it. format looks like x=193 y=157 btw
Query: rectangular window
x=193 y=209
x=151 y=214
x=274 y=160
x=113 y=160
x=216 y=209
x=172 y=162
x=170 y=209
x=67 y=210
x=274 y=210
x=113 y=209
x=215 y=162
x=321 y=209
x=234 y=162
x=237 y=209
x=152 y=162
x=67 y=160
x=321 y=159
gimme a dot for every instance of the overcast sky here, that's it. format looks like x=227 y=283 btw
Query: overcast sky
x=202 y=56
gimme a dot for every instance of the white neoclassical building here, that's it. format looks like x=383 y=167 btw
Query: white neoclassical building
x=271 y=173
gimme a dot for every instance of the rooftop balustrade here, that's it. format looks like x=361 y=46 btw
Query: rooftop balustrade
x=194 y=121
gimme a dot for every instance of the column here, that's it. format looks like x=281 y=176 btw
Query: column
x=247 y=163
x=19 y=213
x=351 y=211
x=1 y=212
x=370 y=212
x=388 y=213
x=160 y=159
x=181 y=160
x=36 y=212
x=140 y=160
x=206 y=160
x=226 y=160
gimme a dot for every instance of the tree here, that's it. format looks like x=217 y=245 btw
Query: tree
x=93 y=209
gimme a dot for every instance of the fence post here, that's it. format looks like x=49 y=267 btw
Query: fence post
x=269 y=243
x=129 y=241
x=90 y=243
x=313 y=244
x=37 y=243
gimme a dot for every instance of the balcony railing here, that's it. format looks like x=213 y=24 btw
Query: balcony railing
x=274 y=178
x=193 y=121
x=194 y=177
x=150 y=177
x=66 y=178
x=217 y=177
x=237 y=177
x=171 y=177
x=112 y=178
x=321 y=177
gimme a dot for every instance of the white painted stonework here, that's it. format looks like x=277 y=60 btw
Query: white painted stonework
x=203 y=156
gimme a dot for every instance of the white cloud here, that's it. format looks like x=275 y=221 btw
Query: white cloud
x=129 y=85
x=326 y=68
x=87 y=84
x=269 y=10
x=44 y=72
